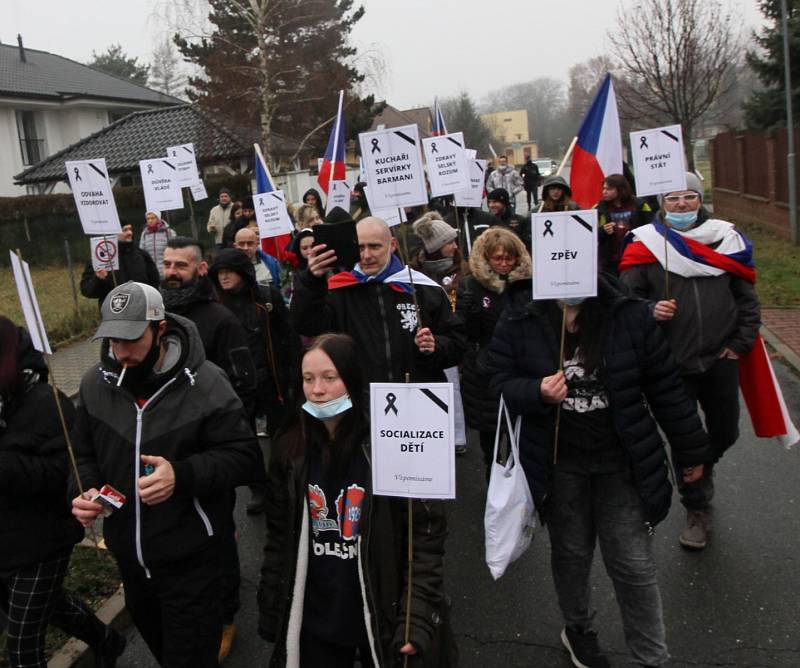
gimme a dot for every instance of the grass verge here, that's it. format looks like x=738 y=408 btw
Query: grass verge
x=54 y=293
x=92 y=577
x=777 y=266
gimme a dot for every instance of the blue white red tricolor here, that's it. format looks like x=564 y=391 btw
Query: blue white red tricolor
x=598 y=151
x=439 y=128
x=274 y=246
x=333 y=167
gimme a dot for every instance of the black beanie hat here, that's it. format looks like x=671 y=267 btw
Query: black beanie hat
x=235 y=260
x=499 y=195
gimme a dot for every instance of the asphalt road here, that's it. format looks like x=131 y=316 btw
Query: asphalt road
x=734 y=604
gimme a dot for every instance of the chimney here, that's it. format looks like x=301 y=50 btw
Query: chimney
x=21 y=49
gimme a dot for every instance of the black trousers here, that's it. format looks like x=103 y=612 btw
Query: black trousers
x=178 y=609
x=717 y=392
x=316 y=653
x=32 y=597
x=535 y=193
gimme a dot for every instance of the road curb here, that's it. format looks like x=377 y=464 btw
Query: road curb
x=76 y=652
x=785 y=351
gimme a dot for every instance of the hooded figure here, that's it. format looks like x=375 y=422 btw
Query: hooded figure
x=564 y=201
x=263 y=314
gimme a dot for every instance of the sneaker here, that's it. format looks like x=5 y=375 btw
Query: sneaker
x=461 y=450
x=583 y=648
x=228 y=631
x=695 y=534
x=106 y=654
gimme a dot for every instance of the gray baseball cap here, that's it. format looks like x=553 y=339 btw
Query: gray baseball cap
x=128 y=309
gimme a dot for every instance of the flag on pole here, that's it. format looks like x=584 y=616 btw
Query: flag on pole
x=439 y=128
x=598 y=151
x=274 y=246
x=333 y=167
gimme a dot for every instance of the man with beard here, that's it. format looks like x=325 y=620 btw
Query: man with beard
x=188 y=292
x=134 y=265
x=220 y=216
x=508 y=178
x=164 y=428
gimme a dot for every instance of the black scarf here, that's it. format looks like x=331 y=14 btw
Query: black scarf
x=177 y=299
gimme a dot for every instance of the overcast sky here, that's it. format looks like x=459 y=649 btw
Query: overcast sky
x=430 y=47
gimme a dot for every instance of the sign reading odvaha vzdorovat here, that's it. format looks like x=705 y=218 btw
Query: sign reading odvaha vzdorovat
x=94 y=199
x=564 y=254
x=413 y=453
x=393 y=165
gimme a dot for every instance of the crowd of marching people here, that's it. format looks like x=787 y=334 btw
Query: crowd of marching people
x=207 y=347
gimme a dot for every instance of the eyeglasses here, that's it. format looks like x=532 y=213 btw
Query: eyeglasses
x=674 y=199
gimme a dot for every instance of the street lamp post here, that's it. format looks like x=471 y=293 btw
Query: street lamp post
x=790 y=155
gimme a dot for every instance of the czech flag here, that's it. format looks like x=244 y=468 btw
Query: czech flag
x=274 y=246
x=439 y=128
x=333 y=167
x=598 y=151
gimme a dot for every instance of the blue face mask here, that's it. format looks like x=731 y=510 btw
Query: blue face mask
x=330 y=409
x=573 y=301
x=681 y=221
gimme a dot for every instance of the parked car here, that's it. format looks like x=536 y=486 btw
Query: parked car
x=547 y=166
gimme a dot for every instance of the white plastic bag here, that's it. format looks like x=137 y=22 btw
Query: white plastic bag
x=510 y=517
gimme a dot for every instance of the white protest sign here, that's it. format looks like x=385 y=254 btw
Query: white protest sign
x=94 y=198
x=271 y=214
x=658 y=160
x=160 y=185
x=394 y=167
x=105 y=253
x=338 y=195
x=447 y=163
x=471 y=153
x=389 y=216
x=413 y=452
x=185 y=164
x=472 y=197
x=198 y=190
x=30 y=306
x=565 y=254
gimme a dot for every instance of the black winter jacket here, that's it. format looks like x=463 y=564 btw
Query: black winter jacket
x=639 y=373
x=383 y=323
x=194 y=420
x=134 y=265
x=611 y=245
x=382 y=555
x=35 y=518
x=714 y=312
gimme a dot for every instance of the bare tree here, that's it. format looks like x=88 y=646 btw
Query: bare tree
x=165 y=69
x=676 y=57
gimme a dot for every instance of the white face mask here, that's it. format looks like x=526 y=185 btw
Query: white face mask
x=329 y=409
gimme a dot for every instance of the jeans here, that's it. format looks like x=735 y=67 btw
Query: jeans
x=717 y=392
x=588 y=502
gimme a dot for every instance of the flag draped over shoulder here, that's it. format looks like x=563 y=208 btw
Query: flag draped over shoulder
x=333 y=166
x=688 y=254
x=274 y=246
x=598 y=151
x=395 y=274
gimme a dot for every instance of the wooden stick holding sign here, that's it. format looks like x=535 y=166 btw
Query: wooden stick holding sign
x=38 y=334
x=565 y=256
x=413 y=454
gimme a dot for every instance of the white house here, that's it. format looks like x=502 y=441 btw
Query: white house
x=48 y=102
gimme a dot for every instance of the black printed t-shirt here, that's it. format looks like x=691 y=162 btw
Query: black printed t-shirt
x=587 y=426
x=333 y=610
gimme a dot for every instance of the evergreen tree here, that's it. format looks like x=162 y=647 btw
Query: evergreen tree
x=766 y=108
x=115 y=61
x=278 y=65
x=461 y=115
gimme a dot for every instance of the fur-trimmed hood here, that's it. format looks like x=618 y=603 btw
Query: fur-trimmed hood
x=482 y=270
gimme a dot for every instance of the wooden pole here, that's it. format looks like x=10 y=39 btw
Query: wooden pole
x=666 y=264
x=560 y=368
x=71 y=270
x=410 y=541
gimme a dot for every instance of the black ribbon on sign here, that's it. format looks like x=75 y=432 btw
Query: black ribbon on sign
x=375 y=146
x=149 y=169
x=580 y=220
x=643 y=143
x=670 y=135
x=390 y=399
x=435 y=399
x=77 y=174
x=548 y=228
x=433 y=147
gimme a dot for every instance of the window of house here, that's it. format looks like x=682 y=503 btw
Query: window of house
x=31 y=144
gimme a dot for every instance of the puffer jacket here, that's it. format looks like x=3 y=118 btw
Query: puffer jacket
x=643 y=382
x=153 y=242
x=35 y=518
x=195 y=421
x=480 y=301
x=507 y=178
x=714 y=312
x=382 y=564
x=383 y=322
